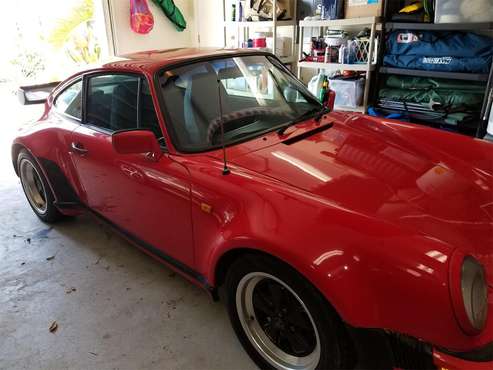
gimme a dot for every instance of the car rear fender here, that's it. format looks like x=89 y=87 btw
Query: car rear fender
x=51 y=161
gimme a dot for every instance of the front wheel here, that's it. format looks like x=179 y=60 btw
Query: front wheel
x=281 y=320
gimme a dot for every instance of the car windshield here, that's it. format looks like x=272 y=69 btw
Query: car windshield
x=257 y=95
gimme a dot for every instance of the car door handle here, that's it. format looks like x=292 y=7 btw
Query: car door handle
x=78 y=148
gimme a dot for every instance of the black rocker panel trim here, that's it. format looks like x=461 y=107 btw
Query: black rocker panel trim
x=67 y=198
x=187 y=270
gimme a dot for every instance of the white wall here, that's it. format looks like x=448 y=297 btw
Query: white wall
x=164 y=35
x=209 y=22
x=204 y=22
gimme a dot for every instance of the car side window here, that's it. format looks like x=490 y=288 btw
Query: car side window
x=113 y=102
x=69 y=101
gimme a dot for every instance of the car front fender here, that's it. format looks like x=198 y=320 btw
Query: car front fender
x=373 y=272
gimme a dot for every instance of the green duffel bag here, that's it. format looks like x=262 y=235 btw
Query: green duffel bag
x=173 y=13
x=423 y=83
x=436 y=98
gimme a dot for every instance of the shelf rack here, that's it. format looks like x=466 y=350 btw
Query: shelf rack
x=390 y=26
x=438 y=26
x=353 y=24
x=244 y=27
x=435 y=74
x=337 y=66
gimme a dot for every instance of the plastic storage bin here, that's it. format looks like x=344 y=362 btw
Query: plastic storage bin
x=463 y=11
x=349 y=93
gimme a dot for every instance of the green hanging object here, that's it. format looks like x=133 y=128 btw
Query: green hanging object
x=173 y=13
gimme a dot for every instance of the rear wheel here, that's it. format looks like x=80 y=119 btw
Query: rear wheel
x=36 y=188
x=281 y=320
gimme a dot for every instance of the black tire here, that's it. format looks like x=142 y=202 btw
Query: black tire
x=49 y=213
x=334 y=343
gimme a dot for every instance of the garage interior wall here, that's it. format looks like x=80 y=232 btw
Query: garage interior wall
x=123 y=40
x=204 y=27
x=209 y=22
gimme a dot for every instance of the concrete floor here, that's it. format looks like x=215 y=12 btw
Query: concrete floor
x=116 y=308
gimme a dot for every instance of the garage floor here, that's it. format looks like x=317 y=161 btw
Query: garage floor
x=116 y=308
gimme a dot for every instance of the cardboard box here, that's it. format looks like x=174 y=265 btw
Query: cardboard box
x=287 y=5
x=283 y=46
x=363 y=8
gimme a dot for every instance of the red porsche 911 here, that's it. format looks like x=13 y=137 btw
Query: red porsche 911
x=339 y=240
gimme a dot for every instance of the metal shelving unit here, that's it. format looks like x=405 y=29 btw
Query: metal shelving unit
x=438 y=26
x=390 y=26
x=344 y=24
x=435 y=74
x=486 y=108
x=243 y=28
x=337 y=66
x=260 y=24
x=349 y=25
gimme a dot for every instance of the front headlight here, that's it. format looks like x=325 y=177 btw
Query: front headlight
x=474 y=292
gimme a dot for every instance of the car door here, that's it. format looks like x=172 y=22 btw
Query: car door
x=65 y=115
x=148 y=200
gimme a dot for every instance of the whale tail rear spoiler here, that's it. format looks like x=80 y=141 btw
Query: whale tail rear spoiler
x=35 y=94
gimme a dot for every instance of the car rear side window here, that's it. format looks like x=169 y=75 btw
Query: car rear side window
x=69 y=101
x=113 y=102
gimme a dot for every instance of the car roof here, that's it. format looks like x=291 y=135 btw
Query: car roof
x=153 y=60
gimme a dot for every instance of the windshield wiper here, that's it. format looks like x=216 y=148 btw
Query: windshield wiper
x=321 y=113
x=316 y=112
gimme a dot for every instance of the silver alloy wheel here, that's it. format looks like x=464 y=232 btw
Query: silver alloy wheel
x=33 y=186
x=255 y=330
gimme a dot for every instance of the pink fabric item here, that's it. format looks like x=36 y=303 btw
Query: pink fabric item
x=141 y=19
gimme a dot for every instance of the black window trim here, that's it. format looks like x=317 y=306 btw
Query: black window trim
x=167 y=119
x=138 y=104
x=62 y=89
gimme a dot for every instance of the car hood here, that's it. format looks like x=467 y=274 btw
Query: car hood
x=400 y=173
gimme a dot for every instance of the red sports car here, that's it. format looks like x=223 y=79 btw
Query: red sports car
x=340 y=240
